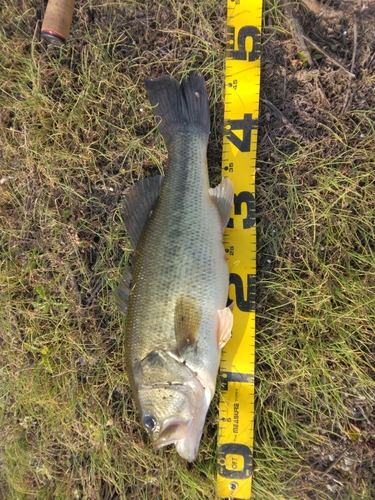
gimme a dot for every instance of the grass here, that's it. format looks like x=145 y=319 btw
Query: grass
x=317 y=311
x=75 y=131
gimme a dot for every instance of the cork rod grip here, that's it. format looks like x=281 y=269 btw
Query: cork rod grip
x=57 y=20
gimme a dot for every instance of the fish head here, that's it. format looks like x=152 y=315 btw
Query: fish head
x=173 y=403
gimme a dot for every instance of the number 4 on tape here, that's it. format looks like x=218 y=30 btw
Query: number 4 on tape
x=246 y=125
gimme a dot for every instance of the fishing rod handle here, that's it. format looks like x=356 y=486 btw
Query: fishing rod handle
x=57 y=21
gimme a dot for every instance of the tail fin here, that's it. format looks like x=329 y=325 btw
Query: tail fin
x=176 y=105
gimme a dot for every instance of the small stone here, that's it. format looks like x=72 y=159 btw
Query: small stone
x=333 y=487
x=346 y=463
x=6 y=178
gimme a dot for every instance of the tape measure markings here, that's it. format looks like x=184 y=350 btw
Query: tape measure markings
x=236 y=407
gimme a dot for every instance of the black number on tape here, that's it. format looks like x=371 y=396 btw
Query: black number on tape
x=234 y=461
x=245 y=32
x=244 y=304
x=227 y=377
x=246 y=124
x=239 y=199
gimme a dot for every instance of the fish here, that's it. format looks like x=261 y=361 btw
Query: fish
x=175 y=290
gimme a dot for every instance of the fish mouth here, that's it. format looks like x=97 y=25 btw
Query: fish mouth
x=188 y=446
x=172 y=431
x=185 y=433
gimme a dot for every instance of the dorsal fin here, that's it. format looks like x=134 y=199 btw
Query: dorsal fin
x=140 y=201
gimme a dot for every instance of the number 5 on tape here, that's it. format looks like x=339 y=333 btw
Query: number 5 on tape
x=236 y=407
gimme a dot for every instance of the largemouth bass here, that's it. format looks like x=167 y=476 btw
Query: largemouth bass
x=176 y=291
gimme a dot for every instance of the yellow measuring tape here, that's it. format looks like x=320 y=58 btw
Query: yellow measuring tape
x=236 y=409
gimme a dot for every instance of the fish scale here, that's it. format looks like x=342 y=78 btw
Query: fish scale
x=177 y=250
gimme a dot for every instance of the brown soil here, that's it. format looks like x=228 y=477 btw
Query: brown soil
x=298 y=102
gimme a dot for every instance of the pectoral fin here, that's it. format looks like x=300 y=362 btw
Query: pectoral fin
x=140 y=201
x=222 y=196
x=187 y=319
x=224 y=328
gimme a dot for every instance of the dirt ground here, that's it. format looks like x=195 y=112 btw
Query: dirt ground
x=306 y=96
x=299 y=102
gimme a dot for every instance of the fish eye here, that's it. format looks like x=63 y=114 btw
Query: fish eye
x=149 y=422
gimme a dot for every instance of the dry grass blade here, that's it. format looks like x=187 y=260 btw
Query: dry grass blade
x=334 y=61
x=284 y=120
x=355 y=47
x=298 y=31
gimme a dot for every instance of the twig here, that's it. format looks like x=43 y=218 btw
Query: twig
x=322 y=93
x=73 y=281
x=354 y=55
x=298 y=32
x=332 y=59
x=335 y=462
x=94 y=293
x=364 y=414
x=283 y=119
x=329 y=476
